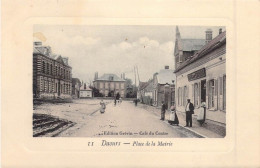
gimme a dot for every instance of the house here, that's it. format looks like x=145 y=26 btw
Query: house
x=85 y=91
x=76 y=84
x=185 y=48
x=51 y=74
x=164 y=87
x=146 y=92
x=110 y=84
x=202 y=77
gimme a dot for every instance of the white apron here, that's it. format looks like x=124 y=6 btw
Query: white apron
x=201 y=114
x=172 y=116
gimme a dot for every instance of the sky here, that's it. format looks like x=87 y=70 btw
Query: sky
x=116 y=49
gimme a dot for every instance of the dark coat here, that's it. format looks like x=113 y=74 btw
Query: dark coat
x=191 y=107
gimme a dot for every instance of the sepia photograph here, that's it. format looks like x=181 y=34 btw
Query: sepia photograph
x=129 y=81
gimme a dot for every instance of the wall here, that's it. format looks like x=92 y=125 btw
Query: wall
x=215 y=65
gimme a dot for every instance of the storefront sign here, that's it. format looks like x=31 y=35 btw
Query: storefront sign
x=197 y=74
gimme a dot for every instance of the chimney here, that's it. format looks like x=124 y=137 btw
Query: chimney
x=208 y=35
x=166 y=67
x=37 y=43
x=123 y=75
x=96 y=76
x=220 y=31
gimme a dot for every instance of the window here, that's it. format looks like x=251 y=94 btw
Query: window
x=122 y=85
x=48 y=71
x=43 y=67
x=51 y=69
x=101 y=85
x=185 y=91
x=211 y=93
x=106 y=85
x=196 y=95
x=117 y=85
x=56 y=89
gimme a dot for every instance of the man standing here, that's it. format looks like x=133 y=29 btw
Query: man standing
x=189 y=111
x=163 y=110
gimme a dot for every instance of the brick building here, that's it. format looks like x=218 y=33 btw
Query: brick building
x=202 y=77
x=51 y=74
x=110 y=84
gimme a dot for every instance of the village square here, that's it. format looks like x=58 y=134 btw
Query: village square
x=120 y=95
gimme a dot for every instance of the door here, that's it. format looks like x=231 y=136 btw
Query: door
x=203 y=91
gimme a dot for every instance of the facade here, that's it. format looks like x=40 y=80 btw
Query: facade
x=76 y=84
x=146 y=92
x=110 y=84
x=202 y=78
x=51 y=74
x=85 y=92
x=164 y=87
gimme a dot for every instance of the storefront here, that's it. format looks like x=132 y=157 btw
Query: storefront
x=203 y=78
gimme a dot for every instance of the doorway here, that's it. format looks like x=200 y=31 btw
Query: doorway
x=203 y=91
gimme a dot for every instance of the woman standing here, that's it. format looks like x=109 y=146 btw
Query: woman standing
x=173 y=117
x=202 y=114
x=103 y=106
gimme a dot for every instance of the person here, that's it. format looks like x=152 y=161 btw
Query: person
x=120 y=100
x=163 y=110
x=173 y=117
x=189 y=111
x=202 y=114
x=136 y=102
x=103 y=106
x=115 y=101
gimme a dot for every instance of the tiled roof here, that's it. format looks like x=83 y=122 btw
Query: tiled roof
x=107 y=77
x=212 y=45
x=166 y=76
x=142 y=85
x=192 y=44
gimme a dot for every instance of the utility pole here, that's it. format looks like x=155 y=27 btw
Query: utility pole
x=138 y=74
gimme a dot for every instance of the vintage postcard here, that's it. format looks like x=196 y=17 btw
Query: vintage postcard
x=128 y=84
x=138 y=82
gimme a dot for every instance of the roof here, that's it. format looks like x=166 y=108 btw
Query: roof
x=110 y=77
x=166 y=76
x=149 y=86
x=142 y=85
x=212 y=45
x=192 y=44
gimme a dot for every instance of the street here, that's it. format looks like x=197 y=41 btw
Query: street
x=122 y=120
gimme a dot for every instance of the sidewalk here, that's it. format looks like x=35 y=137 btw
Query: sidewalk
x=215 y=127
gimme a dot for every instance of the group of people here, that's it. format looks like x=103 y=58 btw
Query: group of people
x=189 y=110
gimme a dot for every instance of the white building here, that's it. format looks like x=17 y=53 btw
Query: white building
x=202 y=77
x=85 y=92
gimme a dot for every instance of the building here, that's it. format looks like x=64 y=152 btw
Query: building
x=164 y=87
x=145 y=90
x=185 y=48
x=202 y=77
x=76 y=84
x=85 y=92
x=51 y=74
x=110 y=84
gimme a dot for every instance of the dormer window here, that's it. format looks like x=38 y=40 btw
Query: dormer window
x=111 y=78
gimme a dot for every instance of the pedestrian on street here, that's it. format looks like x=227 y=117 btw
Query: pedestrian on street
x=163 y=110
x=115 y=101
x=120 y=100
x=136 y=102
x=173 y=117
x=202 y=114
x=102 y=106
x=189 y=111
